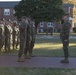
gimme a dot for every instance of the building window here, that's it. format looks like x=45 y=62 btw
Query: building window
x=6 y=11
x=49 y=24
x=41 y=24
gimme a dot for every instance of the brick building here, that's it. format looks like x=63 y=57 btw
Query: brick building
x=7 y=10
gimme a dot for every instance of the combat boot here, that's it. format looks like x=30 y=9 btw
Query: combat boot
x=21 y=60
x=65 y=60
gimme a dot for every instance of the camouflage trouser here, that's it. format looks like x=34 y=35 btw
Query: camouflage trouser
x=1 y=43
x=7 y=44
x=31 y=46
x=65 y=48
x=13 y=42
x=22 y=47
x=24 y=50
x=17 y=41
x=1 y=39
x=28 y=48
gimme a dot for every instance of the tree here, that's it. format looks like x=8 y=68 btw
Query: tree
x=40 y=10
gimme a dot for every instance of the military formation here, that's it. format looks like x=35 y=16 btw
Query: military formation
x=22 y=35
x=17 y=35
x=8 y=35
x=27 y=38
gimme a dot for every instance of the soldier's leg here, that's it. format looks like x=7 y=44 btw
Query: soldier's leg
x=17 y=41
x=21 y=48
x=21 y=51
x=1 y=44
x=31 y=48
x=13 y=42
x=66 y=53
x=8 y=44
x=26 y=50
x=0 y=47
x=65 y=48
x=27 y=46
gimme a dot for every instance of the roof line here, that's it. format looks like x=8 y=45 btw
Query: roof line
x=9 y=1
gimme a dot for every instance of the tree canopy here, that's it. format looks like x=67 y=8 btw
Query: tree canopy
x=40 y=10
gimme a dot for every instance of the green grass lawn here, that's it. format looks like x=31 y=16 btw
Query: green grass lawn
x=49 y=47
x=53 y=47
x=35 y=71
x=43 y=47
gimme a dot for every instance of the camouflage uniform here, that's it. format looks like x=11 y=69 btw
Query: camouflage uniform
x=33 y=35
x=28 y=42
x=25 y=39
x=1 y=36
x=17 y=36
x=23 y=31
x=7 y=38
x=64 y=35
x=14 y=36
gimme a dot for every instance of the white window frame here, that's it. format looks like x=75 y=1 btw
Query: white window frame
x=7 y=11
x=41 y=24
x=49 y=24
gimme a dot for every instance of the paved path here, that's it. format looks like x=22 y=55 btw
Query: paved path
x=52 y=37
x=39 y=62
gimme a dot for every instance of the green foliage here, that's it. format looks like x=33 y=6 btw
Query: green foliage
x=40 y=10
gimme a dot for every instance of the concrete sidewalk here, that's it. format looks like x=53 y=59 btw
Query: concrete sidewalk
x=37 y=62
x=52 y=37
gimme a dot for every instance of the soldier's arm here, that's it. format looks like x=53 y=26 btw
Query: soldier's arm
x=66 y=28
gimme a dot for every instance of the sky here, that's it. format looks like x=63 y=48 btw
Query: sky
x=10 y=0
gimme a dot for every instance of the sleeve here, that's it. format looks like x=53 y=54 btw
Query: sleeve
x=66 y=28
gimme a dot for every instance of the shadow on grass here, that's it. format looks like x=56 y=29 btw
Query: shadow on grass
x=49 y=47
